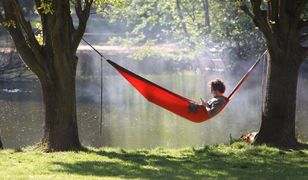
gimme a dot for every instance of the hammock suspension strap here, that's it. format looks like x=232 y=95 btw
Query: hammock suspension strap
x=101 y=84
x=245 y=76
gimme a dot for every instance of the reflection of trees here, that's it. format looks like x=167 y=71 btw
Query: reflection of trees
x=27 y=7
x=11 y=67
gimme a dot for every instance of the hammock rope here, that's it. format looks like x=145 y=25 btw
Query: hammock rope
x=101 y=84
x=264 y=72
x=246 y=75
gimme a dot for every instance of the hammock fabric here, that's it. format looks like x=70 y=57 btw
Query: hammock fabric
x=172 y=101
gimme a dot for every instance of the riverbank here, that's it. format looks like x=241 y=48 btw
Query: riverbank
x=238 y=160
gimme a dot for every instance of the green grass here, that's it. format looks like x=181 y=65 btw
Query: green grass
x=237 y=161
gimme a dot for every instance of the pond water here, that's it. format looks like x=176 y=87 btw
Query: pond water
x=130 y=121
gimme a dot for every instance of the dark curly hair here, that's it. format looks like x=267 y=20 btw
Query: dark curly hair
x=217 y=85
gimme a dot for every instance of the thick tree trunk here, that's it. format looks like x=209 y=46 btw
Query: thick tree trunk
x=60 y=129
x=278 y=115
x=59 y=95
x=280 y=22
x=54 y=62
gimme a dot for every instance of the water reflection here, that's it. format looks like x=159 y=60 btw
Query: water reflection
x=130 y=121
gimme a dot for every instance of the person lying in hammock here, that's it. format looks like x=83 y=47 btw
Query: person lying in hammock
x=214 y=105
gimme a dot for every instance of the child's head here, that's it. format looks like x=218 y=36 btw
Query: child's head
x=217 y=87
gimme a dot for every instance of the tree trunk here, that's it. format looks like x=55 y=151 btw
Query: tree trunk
x=280 y=22
x=205 y=4
x=59 y=95
x=60 y=128
x=54 y=62
x=278 y=115
x=179 y=10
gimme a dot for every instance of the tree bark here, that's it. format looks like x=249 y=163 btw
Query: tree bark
x=54 y=62
x=278 y=115
x=60 y=129
x=59 y=96
x=279 y=24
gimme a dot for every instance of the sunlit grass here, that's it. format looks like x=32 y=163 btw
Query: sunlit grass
x=238 y=160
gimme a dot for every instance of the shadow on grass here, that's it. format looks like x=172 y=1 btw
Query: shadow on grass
x=133 y=165
x=197 y=164
x=302 y=146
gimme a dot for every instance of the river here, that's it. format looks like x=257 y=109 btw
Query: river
x=130 y=121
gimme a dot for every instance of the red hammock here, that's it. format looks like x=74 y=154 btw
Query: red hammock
x=170 y=100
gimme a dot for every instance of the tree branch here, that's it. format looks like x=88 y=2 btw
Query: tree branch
x=44 y=23
x=25 y=52
x=273 y=10
x=258 y=17
x=247 y=11
x=27 y=28
x=78 y=9
x=302 y=24
x=19 y=39
x=25 y=25
x=58 y=18
x=38 y=4
x=300 y=7
x=83 y=16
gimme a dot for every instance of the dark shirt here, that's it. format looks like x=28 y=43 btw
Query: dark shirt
x=214 y=105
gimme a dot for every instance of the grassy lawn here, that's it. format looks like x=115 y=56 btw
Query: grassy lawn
x=237 y=161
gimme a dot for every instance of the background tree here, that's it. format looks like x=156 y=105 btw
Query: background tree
x=280 y=21
x=53 y=60
x=205 y=4
x=10 y=66
x=191 y=24
x=180 y=15
x=234 y=31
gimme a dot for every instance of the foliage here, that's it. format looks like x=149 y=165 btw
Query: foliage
x=234 y=29
x=102 y=5
x=46 y=7
x=39 y=34
x=238 y=160
x=8 y=24
x=159 y=20
x=154 y=19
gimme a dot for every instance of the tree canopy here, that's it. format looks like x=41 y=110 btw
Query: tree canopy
x=189 y=23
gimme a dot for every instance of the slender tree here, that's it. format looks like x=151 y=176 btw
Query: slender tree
x=280 y=21
x=53 y=60
x=205 y=5
x=180 y=14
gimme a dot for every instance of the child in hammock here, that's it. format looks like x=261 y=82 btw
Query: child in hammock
x=214 y=105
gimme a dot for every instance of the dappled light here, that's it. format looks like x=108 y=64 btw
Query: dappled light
x=164 y=89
